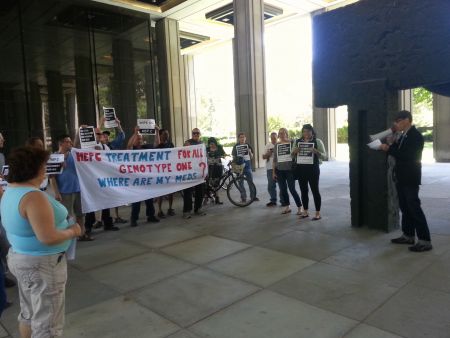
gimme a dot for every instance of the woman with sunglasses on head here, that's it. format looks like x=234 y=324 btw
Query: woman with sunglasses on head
x=282 y=171
x=308 y=173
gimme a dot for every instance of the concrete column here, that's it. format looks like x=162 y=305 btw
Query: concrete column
x=189 y=70
x=249 y=74
x=175 y=115
x=406 y=100
x=37 y=127
x=324 y=121
x=57 y=116
x=19 y=123
x=371 y=110
x=150 y=96
x=71 y=113
x=441 y=128
x=85 y=95
x=124 y=84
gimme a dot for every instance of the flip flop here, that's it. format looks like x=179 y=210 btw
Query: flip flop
x=284 y=212
x=304 y=216
x=316 y=218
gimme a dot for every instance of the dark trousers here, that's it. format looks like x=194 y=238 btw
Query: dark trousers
x=198 y=198
x=413 y=218
x=285 y=179
x=90 y=220
x=136 y=209
x=2 y=288
x=309 y=174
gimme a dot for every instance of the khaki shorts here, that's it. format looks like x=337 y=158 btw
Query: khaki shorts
x=72 y=202
x=41 y=283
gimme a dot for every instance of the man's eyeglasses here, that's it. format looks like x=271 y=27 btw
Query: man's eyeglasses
x=195 y=133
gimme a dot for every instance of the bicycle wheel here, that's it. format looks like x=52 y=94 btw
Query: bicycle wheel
x=241 y=191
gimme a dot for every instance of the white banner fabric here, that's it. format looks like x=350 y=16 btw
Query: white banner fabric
x=117 y=177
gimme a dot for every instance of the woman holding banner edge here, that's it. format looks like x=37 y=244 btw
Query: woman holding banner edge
x=309 y=173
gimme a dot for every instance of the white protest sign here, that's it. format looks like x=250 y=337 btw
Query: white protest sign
x=87 y=137
x=305 y=153
x=375 y=145
x=55 y=164
x=146 y=126
x=5 y=170
x=113 y=178
x=243 y=150
x=110 y=117
x=284 y=152
x=381 y=135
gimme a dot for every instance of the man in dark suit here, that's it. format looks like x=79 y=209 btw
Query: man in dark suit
x=407 y=151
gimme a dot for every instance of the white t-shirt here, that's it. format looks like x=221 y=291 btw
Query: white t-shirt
x=269 y=162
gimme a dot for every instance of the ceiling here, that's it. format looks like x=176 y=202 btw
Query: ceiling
x=191 y=15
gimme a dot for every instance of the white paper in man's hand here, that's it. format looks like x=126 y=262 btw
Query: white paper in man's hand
x=375 y=145
x=70 y=252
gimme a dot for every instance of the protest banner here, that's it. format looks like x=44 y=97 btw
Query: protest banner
x=146 y=126
x=87 y=137
x=110 y=117
x=305 y=153
x=113 y=178
x=284 y=152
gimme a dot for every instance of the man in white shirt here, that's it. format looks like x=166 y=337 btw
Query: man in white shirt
x=268 y=156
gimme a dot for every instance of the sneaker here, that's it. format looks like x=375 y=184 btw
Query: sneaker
x=256 y=199
x=187 y=215
x=403 y=240
x=133 y=223
x=200 y=212
x=271 y=204
x=119 y=220
x=421 y=247
x=152 y=219
x=97 y=225
x=170 y=212
x=111 y=228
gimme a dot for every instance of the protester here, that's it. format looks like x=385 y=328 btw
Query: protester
x=164 y=139
x=136 y=141
x=245 y=158
x=268 y=156
x=197 y=190
x=39 y=231
x=310 y=173
x=67 y=187
x=215 y=153
x=407 y=151
x=106 y=219
x=3 y=298
x=282 y=173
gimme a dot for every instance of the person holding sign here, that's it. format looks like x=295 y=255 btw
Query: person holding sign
x=242 y=154
x=164 y=143
x=282 y=172
x=309 y=152
x=268 y=156
x=40 y=233
x=215 y=154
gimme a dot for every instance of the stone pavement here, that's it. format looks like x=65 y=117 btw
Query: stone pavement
x=252 y=272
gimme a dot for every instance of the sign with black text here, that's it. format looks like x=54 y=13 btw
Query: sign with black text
x=305 y=153
x=242 y=150
x=110 y=117
x=87 y=137
x=146 y=126
x=5 y=170
x=55 y=164
x=284 y=152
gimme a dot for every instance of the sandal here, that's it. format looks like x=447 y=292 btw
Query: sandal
x=286 y=211
x=85 y=238
x=316 y=218
x=304 y=216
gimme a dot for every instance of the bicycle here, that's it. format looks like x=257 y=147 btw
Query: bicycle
x=240 y=190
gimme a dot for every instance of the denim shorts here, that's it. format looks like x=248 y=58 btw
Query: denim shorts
x=41 y=283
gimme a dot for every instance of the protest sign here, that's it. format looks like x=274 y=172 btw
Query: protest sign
x=55 y=164
x=87 y=137
x=242 y=150
x=284 y=152
x=110 y=117
x=305 y=153
x=375 y=145
x=113 y=178
x=5 y=170
x=146 y=126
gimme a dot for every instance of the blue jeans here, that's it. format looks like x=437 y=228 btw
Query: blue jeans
x=271 y=186
x=248 y=170
x=286 y=180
